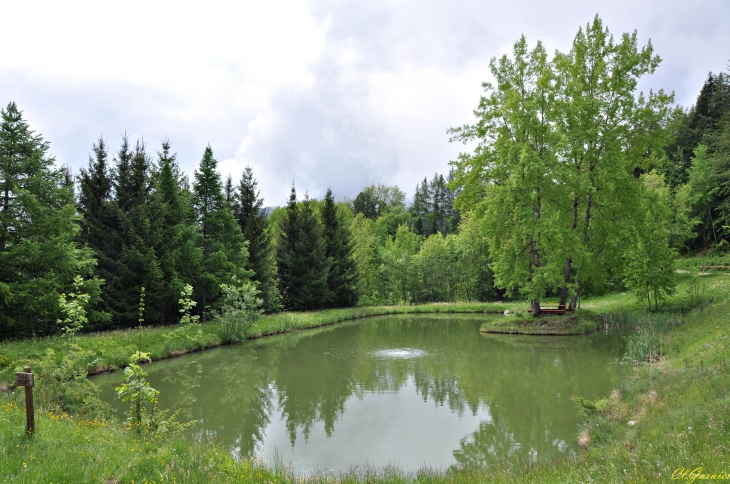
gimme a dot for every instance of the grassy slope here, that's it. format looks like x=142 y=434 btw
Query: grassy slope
x=680 y=406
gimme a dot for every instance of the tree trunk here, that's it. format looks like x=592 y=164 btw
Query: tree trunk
x=712 y=224
x=535 y=305
x=568 y=275
x=576 y=294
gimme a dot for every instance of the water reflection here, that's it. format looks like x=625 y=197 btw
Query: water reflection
x=407 y=390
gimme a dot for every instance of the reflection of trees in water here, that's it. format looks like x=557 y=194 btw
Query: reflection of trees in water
x=524 y=384
x=313 y=384
x=527 y=386
x=491 y=441
x=184 y=378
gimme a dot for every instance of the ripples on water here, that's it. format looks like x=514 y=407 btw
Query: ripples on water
x=400 y=353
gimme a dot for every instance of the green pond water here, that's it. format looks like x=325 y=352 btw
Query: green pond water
x=411 y=391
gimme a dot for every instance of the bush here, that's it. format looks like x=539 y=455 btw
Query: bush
x=63 y=387
x=241 y=309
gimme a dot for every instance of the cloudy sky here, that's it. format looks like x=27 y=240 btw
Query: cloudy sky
x=316 y=92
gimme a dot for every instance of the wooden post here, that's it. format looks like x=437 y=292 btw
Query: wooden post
x=25 y=379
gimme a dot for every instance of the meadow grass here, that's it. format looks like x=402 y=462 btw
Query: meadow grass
x=69 y=449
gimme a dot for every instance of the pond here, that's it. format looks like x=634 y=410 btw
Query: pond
x=410 y=391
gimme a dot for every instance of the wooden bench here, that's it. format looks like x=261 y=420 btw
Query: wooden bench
x=553 y=311
x=713 y=267
x=561 y=309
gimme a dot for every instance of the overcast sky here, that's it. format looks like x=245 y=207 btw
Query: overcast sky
x=320 y=93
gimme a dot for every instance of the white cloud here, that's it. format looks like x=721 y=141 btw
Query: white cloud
x=326 y=93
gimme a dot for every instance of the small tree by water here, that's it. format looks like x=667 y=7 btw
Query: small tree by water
x=241 y=309
x=73 y=306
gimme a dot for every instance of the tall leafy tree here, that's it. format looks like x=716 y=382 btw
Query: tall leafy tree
x=248 y=209
x=301 y=257
x=223 y=248
x=342 y=277
x=563 y=143
x=509 y=180
x=365 y=254
x=612 y=136
x=39 y=253
x=649 y=259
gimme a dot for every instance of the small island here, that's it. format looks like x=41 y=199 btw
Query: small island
x=579 y=322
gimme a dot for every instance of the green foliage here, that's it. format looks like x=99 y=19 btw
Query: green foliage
x=703 y=190
x=179 y=246
x=301 y=258
x=697 y=125
x=62 y=384
x=364 y=253
x=342 y=275
x=248 y=209
x=223 y=247
x=649 y=269
x=137 y=391
x=144 y=417
x=39 y=255
x=433 y=207
x=588 y=408
x=375 y=200
x=188 y=322
x=73 y=307
x=239 y=311
x=140 y=216
x=553 y=177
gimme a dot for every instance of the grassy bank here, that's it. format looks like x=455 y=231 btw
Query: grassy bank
x=69 y=449
x=110 y=350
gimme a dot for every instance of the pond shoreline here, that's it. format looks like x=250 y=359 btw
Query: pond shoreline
x=111 y=349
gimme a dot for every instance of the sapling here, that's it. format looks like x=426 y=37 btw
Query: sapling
x=138 y=392
x=73 y=306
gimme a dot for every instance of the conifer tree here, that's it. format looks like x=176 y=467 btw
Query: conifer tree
x=179 y=249
x=100 y=230
x=140 y=218
x=342 y=277
x=302 y=262
x=39 y=255
x=224 y=252
x=248 y=209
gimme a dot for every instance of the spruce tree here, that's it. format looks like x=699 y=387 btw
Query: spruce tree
x=248 y=208
x=301 y=258
x=179 y=250
x=39 y=254
x=140 y=218
x=342 y=277
x=100 y=230
x=224 y=253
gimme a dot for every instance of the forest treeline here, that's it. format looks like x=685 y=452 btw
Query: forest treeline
x=578 y=185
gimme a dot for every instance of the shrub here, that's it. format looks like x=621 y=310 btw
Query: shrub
x=241 y=309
